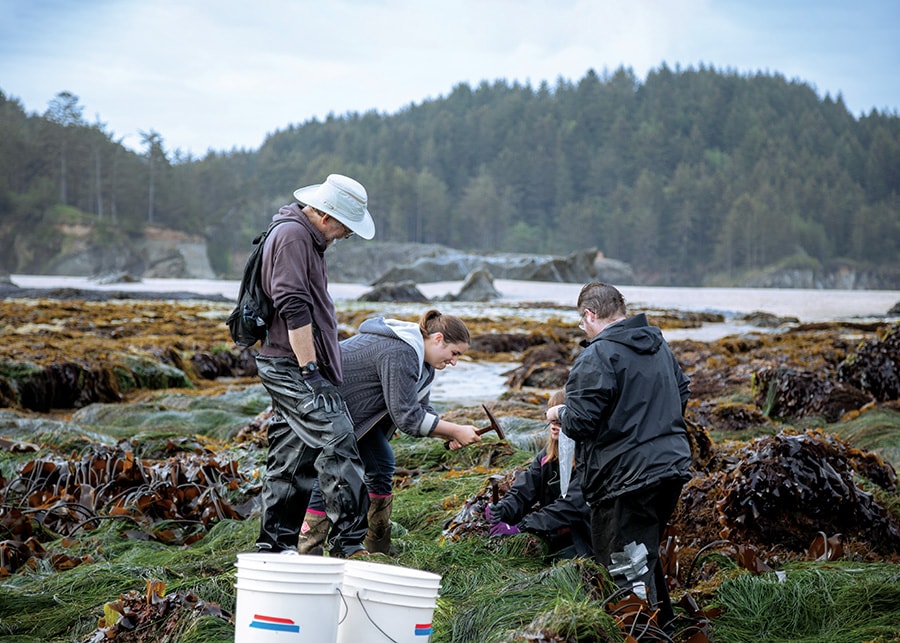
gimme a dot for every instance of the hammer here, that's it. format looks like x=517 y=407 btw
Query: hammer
x=494 y=426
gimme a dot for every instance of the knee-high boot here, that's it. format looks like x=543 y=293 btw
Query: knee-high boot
x=313 y=533
x=378 y=537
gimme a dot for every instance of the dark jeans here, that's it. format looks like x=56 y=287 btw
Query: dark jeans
x=378 y=460
x=307 y=445
x=639 y=516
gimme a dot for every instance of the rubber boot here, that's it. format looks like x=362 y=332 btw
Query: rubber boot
x=378 y=537
x=313 y=533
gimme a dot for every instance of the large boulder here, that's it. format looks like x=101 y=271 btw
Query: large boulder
x=478 y=286
x=403 y=291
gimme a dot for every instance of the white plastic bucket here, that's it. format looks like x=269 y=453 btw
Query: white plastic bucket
x=287 y=598
x=387 y=603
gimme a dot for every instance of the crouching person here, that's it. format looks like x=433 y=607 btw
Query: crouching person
x=535 y=504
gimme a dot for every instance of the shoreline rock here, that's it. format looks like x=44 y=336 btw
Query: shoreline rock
x=377 y=263
x=9 y=290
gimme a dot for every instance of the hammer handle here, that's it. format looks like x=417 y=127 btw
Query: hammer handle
x=477 y=431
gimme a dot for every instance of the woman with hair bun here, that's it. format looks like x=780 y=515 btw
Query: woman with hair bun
x=389 y=367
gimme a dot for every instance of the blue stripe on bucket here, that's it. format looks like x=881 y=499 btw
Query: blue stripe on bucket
x=424 y=629
x=274 y=624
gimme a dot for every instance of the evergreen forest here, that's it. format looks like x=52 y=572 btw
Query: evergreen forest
x=686 y=174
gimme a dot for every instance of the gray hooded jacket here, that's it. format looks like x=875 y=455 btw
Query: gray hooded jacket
x=386 y=380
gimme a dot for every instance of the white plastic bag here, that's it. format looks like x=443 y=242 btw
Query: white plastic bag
x=566 y=453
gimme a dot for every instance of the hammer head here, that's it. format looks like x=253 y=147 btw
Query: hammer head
x=495 y=425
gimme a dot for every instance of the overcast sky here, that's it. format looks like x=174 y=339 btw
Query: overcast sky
x=223 y=74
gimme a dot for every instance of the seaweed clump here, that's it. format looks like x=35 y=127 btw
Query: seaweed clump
x=790 y=393
x=780 y=491
x=875 y=366
x=173 y=501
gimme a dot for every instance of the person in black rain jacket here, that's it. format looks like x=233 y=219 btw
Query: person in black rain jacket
x=624 y=407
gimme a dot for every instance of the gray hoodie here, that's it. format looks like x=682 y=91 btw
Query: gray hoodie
x=386 y=380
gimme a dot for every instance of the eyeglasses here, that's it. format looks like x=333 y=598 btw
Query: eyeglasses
x=347 y=231
x=582 y=320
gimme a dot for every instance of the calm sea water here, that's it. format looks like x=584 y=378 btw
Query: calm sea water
x=808 y=305
x=471 y=382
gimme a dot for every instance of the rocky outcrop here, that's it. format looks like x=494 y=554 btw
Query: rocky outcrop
x=362 y=262
x=839 y=277
x=478 y=286
x=175 y=256
x=767 y=320
x=157 y=253
x=377 y=263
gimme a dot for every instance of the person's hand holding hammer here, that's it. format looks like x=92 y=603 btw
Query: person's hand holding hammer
x=493 y=426
x=457 y=435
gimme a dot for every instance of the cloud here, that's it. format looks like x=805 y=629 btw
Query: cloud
x=223 y=74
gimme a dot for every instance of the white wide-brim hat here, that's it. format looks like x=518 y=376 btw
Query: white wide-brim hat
x=343 y=198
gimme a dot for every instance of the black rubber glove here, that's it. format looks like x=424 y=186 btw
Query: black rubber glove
x=325 y=395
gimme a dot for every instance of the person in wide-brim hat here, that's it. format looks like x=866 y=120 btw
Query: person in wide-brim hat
x=299 y=364
x=342 y=198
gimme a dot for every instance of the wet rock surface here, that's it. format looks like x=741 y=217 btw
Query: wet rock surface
x=395 y=291
x=478 y=286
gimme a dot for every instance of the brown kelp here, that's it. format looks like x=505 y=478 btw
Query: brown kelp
x=134 y=435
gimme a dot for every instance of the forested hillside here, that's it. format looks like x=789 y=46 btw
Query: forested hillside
x=685 y=175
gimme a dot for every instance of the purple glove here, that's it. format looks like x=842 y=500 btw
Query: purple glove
x=503 y=529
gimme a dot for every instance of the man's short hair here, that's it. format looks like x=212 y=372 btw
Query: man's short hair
x=603 y=300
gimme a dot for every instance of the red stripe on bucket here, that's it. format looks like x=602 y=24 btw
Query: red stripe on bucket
x=275 y=623
x=424 y=629
x=273 y=619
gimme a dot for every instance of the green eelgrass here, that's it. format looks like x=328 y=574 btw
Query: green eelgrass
x=163 y=413
x=522 y=602
x=65 y=606
x=811 y=603
x=873 y=430
x=492 y=590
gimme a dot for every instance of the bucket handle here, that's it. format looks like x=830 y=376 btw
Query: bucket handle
x=346 y=607
x=368 y=616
